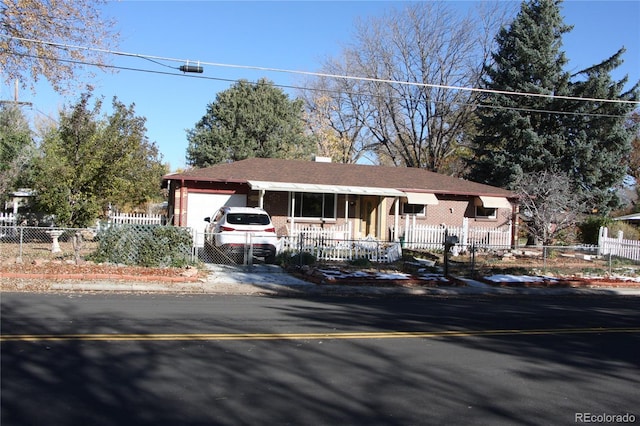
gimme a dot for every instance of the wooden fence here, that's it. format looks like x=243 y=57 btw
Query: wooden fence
x=431 y=237
x=336 y=243
x=618 y=246
x=136 y=219
x=313 y=233
x=7 y=219
x=8 y=222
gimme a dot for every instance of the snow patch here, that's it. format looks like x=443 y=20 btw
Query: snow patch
x=505 y=278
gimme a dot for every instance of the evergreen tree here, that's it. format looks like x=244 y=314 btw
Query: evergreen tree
x=600 y=138
x=516 y=134
x=584 y=139
x=249 y=120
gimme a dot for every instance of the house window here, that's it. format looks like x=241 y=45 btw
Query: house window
x=314 y=205
x=486 y=212
x=414 y=209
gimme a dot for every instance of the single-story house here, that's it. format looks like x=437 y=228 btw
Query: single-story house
x=375 y=199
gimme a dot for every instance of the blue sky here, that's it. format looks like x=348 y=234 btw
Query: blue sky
x=292 y=35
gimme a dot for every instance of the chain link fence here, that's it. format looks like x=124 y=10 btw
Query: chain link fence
x=165 y=246
x=29 y=244
x=343 y=249
x=247 y=251
x=574 y=261
x=321 y=249
x=141 y=245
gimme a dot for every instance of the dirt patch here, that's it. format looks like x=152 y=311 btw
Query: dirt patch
x=352 y=276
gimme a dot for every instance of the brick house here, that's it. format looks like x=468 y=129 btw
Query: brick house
x=375 y=199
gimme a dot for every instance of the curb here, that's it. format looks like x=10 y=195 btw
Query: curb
x=310 y=289
x=258 y=285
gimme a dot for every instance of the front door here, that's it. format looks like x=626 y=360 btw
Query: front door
x=369 y=215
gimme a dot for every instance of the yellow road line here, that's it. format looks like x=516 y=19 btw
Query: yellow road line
x=308 y=336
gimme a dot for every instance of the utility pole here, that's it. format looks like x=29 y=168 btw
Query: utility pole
x=15 y=100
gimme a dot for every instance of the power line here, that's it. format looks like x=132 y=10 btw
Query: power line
x=174 y=74
x=319 y=74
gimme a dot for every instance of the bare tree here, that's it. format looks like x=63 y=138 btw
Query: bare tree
x=548 y=204
x=40 y=38
x=396 y=98
x=331 y=120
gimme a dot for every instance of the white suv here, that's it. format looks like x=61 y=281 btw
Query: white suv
x=234 y=229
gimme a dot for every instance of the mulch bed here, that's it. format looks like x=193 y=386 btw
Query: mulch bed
x=373 y=278
x=57 y=270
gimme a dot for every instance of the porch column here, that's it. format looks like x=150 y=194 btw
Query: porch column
x=346 y=208
x=346 y=214
x=396 y=218
x=261 y=199
x=293 y=209
x=181 y=208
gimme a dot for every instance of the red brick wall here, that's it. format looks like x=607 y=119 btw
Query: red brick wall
x=451 y=211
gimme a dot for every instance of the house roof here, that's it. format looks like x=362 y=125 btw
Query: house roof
x=384 y=178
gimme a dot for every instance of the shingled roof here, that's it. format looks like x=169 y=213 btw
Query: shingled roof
x=321 y=173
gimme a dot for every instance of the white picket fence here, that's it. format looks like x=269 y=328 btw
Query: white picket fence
x=136 y=219
x=431 y=237
x=129 y=219
x=618 y=246
x=7 y=219
x=314 y=233
x=8 y=222
x=336 y=243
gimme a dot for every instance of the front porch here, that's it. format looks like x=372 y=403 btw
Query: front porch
x=338 y=243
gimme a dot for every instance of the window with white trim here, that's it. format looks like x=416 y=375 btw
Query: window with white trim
x=312 y=205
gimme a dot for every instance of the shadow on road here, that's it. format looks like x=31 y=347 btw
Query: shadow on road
x=507 y=379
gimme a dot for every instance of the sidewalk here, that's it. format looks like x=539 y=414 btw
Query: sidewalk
x=271 y=280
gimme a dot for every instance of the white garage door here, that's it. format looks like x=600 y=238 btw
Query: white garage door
x=200 y=206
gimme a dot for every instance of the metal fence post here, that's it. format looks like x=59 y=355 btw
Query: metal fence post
x=247 y=249
x=300 y=249
x=473 y=259
x=610 y=263
x=20 y=250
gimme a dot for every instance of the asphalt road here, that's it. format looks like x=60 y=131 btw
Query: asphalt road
x=109 y=359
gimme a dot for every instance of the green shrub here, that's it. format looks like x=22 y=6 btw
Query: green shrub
x=590 y=229
x=289 y=258
x=144 y=245
x=629 y=231
x=361 y=262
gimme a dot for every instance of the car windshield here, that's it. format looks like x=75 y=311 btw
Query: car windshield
x=247 y=219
